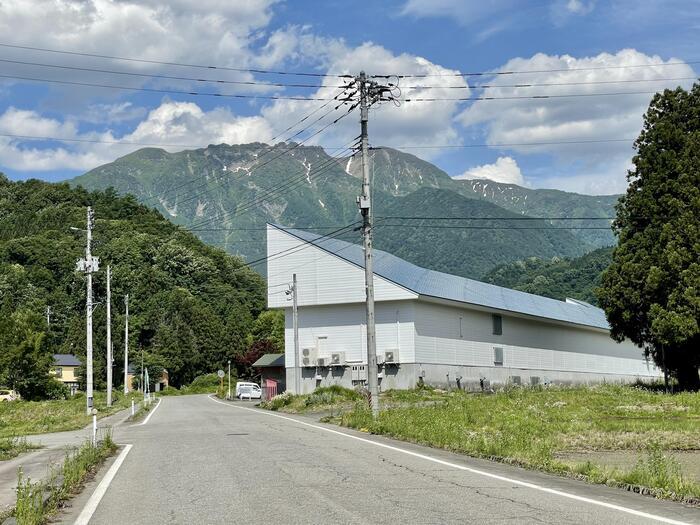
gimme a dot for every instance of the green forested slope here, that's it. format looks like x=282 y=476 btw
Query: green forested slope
x=558 y=278
x=469 y=248
x=192 y=306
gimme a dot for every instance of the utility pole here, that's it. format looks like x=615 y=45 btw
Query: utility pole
x=295 y=323
x=142 y=388
x=229 y=381
x=48 y=316
x=365 y=209
x=126 y=346
x=109 y=337
x=88 y=265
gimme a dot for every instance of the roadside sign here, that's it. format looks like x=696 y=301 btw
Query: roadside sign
x=220 y=373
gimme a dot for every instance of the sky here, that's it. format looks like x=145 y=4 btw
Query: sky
x=598 y=62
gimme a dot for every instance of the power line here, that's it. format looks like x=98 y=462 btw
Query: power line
x=270 y=192
x=166 y=63
x=318 y=86
x=505 y=144
x=335 y=75
x=530 y=97
x=283 y=97
x=283 y=152
x=327 y=148
x=469 y=227
x=525 y=71
x=549 y=84
x=166 y=77
x=518 y=218
x=156 y=90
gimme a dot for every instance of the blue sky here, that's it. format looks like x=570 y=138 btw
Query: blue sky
x=588 y=46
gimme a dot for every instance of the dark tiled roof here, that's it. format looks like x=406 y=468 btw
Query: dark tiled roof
x=66 y=360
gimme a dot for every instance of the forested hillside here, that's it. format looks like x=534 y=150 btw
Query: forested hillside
x=192 y=306
x=558 y=278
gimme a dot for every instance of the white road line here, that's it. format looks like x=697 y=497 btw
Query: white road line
x=468 y=469
x=96 y=497
x=150 y=414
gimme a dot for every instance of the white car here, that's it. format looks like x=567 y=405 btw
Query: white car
x=8 y=395
x=248 y=390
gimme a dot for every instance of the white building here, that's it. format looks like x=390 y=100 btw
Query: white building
x=431 y=326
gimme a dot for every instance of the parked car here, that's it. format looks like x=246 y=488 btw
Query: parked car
x=248 y=390
x=8 y=395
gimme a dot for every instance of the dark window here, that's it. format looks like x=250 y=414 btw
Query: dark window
x=497 y=356
x=497 y=324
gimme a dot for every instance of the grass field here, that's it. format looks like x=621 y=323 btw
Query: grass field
x=22 y=418
x=538 y=427
x=38 y=501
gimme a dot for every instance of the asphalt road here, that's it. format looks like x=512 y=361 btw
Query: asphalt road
x=198 y=460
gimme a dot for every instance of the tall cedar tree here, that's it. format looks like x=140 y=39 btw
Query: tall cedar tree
x=651 y=292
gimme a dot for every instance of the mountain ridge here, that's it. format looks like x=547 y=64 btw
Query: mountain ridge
x=226 y=194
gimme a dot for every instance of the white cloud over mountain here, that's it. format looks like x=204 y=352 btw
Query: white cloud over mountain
x=584 y=117
x=171 y=124
x=505 y=169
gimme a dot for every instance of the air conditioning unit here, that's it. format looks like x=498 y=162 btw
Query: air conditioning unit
x=308 y=357
x=322 y=361
x=338 y=359
x=391 y=356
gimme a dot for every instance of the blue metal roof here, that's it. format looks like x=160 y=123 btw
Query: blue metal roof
x=430 y=283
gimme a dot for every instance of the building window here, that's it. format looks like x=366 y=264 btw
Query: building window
x=58 y=371
x=497 y=356
x=497 y=324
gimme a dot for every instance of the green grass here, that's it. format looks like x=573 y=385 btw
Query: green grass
x=21 y=418
x=322 y=399
x=38 y=501
x=204 y=384
x=14 y=446
x=531 y=426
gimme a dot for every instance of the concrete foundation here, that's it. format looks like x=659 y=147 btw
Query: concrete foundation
x=409 y=375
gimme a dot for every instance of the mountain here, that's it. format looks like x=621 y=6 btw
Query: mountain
x=469 y=248
x=226 y=194
x=557 y=278
x=550 y=203
x=191 y=305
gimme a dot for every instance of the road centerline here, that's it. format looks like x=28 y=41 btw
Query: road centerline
x=479 y=472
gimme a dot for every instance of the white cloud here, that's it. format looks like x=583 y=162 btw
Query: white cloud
x=170 y=123
x=411 y=123
x=206 y=30
x=466 y=13
x=505 y=169
x=112 y=113
x=580 y=7
x=575 y=118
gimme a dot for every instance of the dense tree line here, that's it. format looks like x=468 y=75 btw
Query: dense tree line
x=192 y=307
x=558 y=277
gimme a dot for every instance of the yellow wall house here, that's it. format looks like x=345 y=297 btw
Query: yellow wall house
x=65 y=369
